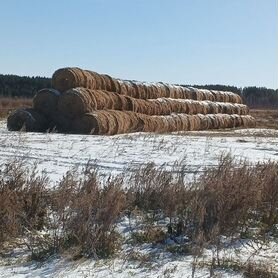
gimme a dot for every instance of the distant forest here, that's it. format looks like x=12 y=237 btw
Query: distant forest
x=24 y=86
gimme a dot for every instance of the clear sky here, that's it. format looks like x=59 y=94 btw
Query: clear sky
x=232 y=42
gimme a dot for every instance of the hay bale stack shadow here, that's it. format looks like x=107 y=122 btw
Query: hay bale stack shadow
x=27 y=119
x=46 y=101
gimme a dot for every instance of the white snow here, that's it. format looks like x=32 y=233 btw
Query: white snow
x=57 y=153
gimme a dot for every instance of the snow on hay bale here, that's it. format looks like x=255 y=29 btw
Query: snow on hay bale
x=27 y=119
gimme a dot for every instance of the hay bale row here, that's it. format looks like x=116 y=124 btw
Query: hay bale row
x=68 y=78
x=112 y=122
x=77 y=101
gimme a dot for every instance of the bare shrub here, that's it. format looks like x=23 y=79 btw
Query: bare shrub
x=88 y=212
x=155 y=189
x=253 y=270
x=23 y=201
x=267 y=174
x=225 y=199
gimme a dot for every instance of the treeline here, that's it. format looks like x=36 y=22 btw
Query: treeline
x=24 y=86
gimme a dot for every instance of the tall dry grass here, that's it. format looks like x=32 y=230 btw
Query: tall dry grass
x=80 y=215
x=9 y=104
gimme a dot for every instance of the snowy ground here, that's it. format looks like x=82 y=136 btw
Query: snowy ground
x=143 y=260
x=56 y=153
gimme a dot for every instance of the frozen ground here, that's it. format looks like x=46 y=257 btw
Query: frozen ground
x=56 y=153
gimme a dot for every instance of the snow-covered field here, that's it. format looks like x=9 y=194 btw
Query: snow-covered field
x=142 y=261
x=56 y=153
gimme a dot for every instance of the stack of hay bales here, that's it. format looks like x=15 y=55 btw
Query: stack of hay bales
x=86 y=102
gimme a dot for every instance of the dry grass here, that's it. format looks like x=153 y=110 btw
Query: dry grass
x=87 y=212
x=22 y=200
x=8 y=104
x=79 y=216
x=265 y=118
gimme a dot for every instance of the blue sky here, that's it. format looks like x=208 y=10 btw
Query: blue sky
x=232 y=42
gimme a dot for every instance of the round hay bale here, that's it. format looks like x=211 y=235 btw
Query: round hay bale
x=150 y=108
x=74 y=102
x=149 y=91
x=125 y=103
x=166 y=106
x=99 y=122
x=121 y=119
x=194 y=106
x=153 y=107
x=96 y=79
x=214 y=94
x=135 y=123
x=211 y=108
x=109 y=99
x=206 y=107
x=64 y=79
x=191 y=123
x=27 y=119
x=145 y=92
x=116 y=85
x=197 y=122
x=185 y=121
x=46 y=101
x=239 y=110
x=190 y=107
x=204 y=124
x=237 y=120
x=123 y=88
x=213 y=121
x=163 y=90
x=86 y=124
x=178 y=122
x=171 y=124
x=223 y=121
x=103 y=83
x=187 y=93
x=170 y=105
x=131 y=91
x=135 y=89
x=146 y=122
x=208 y=95
x=248 y=121
x=88 y=80
x=238 y=99
x=157 y=124
x=112 y=122
x=155 y=91
x=194 y=93
x=107 y=80
x=172 y=91
x=201 y=95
